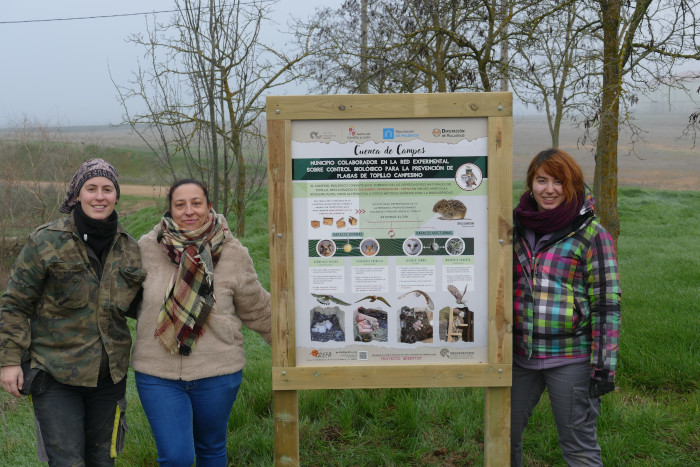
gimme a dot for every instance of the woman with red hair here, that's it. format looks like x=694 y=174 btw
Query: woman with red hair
x=566 y=307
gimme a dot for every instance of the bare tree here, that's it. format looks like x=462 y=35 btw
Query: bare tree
x=417 y=45
x=642 y=41
x=554 y=68
x=356 y=55
x=591 y=60
x=692 y=130
x=202 y=87
x=402 y=53
x=584 y=59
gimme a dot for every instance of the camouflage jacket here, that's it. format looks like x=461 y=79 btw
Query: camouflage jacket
x=58 y=308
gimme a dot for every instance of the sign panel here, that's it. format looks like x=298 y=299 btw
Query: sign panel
x=390 y=241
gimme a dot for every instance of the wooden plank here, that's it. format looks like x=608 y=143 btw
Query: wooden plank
x=497 y=427
x=285 y=403
x=500 y=272
x=362 y=106
x=397 y=376
x=286 y=426
x=281 y=243
x=500 y=352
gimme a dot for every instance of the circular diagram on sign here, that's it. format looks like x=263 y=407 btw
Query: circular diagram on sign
x=326 y=248
x=454 y=246
x=369 y=247
x=468 y=177
x=412 y=246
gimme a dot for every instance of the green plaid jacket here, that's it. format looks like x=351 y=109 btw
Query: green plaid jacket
x=566 y=296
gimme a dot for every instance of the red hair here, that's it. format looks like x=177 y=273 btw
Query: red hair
x=563 y=167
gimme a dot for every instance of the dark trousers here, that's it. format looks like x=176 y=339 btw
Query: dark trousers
x=78 y=423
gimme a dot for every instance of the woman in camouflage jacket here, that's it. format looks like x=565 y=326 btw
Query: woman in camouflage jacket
x=64 y=309
x=566 y=307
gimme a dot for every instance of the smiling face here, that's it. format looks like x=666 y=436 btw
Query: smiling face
x=189 y=207
x=98 y=197
x=547 y=191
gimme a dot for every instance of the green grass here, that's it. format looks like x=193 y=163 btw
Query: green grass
x=660 y=264
x=651 y=420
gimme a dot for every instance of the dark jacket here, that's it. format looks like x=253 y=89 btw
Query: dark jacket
x=63 y=311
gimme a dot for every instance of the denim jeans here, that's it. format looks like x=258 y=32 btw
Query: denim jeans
x=575 y=413
x=189 y=418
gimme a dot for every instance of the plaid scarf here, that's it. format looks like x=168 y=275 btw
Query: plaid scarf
x=190 y=295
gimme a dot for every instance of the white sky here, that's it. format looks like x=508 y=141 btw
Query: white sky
x=58 y=72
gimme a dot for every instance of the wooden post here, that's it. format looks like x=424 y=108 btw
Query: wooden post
x=286 y=407
x=497 y=400
x=497 y=426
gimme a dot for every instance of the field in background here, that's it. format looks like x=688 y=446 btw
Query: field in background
x=651 y=420
x=664 y=162
x=661 y=160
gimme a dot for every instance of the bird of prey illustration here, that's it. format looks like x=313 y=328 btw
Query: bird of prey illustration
x=373 y=298
x=327 y=299
x=456 y=293
x=418 y=293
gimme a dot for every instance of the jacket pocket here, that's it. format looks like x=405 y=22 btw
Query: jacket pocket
x=68 y=285
x=36 y=381
x=223 y=329
x=581 y=322
x=584 y=410
x=129 y=283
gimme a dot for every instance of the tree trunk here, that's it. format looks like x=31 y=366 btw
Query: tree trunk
x=226 y=189
x=239 y=188
x=364 y=86
x=212 y=115
x=504 y=45
x=555 y=129
x=605 y=180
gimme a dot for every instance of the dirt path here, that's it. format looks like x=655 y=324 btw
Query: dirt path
x=153 y=191
x=125 y=189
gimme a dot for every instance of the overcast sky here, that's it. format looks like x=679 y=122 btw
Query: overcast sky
x=58 y=72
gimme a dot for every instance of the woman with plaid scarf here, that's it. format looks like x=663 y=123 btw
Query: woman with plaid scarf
x=188 y=356
x=566 y=307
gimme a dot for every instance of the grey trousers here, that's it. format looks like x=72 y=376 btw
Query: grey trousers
x=575 y=413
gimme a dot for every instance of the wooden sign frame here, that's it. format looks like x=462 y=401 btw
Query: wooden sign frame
x=494 y=375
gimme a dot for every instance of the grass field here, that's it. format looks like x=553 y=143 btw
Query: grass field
x=652 y=419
